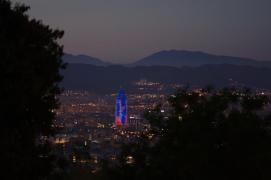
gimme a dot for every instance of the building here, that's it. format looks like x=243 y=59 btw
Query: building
x=121 y=112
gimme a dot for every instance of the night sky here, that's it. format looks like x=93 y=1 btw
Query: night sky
x=123 y=31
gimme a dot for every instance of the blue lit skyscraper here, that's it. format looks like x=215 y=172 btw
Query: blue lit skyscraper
x=121 y=115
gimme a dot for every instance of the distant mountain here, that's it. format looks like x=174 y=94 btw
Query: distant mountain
x=83 y=59
x=173 y=58
x=176 y=58
x=110 y=79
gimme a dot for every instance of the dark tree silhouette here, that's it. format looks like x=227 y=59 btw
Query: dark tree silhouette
x=207 y=135
x=30 y=60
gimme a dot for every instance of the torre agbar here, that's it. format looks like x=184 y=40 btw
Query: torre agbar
x=121 y=115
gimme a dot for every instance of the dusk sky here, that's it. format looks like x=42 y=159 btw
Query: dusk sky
x=123 y=31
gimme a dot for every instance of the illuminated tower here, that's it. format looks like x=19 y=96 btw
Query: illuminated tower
x=121 y=109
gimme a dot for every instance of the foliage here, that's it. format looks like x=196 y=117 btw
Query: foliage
x=30 y=60
x=206 y=135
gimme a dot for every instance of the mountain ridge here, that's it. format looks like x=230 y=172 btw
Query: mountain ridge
x=108 y=79
x=83 y=59
x=173 y=58
x=179 y=58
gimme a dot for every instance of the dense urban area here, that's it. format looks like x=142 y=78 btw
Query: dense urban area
x=86 y=122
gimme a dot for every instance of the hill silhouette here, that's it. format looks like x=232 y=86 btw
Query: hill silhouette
x=109 y=79
x=83 y=59
x=179 y=58
x=173 y=58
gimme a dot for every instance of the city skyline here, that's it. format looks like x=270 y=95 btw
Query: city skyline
x=124 y=31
